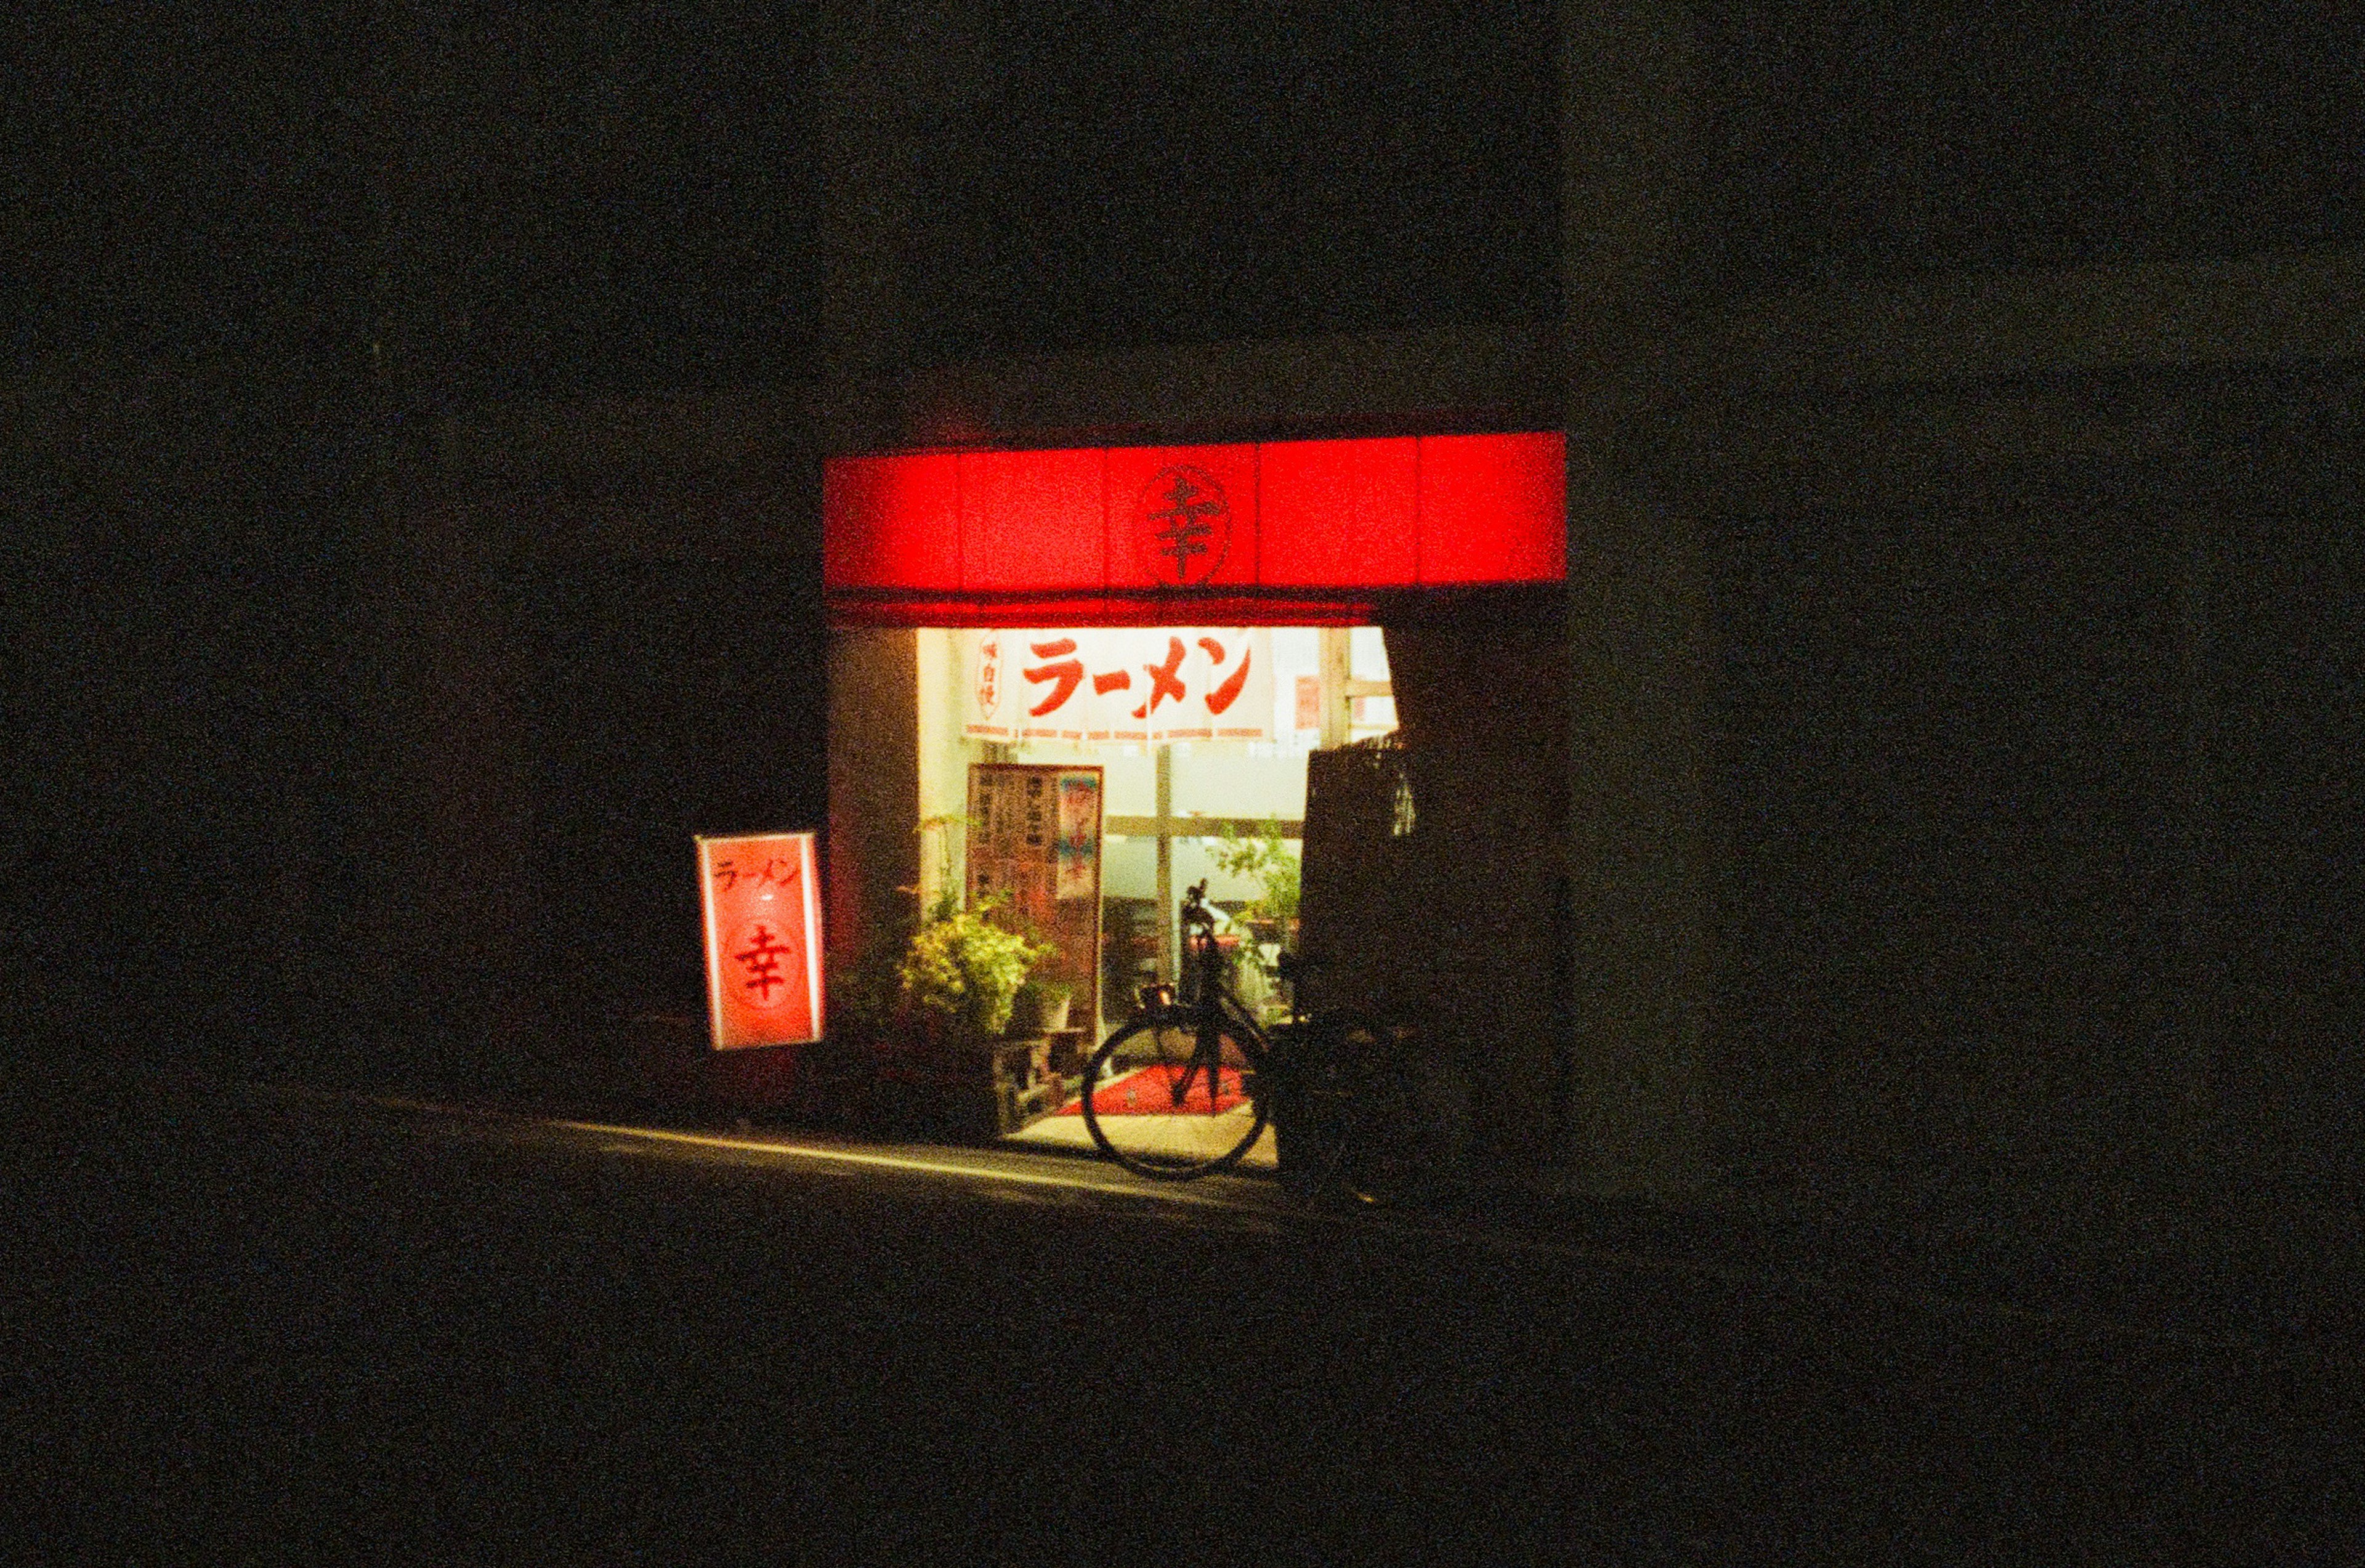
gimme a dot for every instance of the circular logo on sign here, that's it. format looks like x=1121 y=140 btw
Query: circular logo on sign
x=989 y=673
x=1182 y=526
x=761 y=959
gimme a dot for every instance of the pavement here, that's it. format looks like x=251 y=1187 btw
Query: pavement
x=2266 y=1274
x=256 y=1320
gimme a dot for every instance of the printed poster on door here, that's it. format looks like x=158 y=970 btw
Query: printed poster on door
x=1121 y=685
x=763 y=939
x=1034 y=842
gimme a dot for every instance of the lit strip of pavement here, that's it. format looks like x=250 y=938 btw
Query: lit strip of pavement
x=917 y=1166
x=1371 y=1219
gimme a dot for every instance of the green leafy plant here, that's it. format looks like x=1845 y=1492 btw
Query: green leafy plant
x=960 y=973
x=1265 y=858
x=965 y=972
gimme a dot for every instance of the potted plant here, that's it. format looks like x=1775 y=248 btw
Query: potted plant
x=957 y=972
x=954 y=982
x=961 y=973
x=959 y=982
x=1265 y=858
x=1041 y=1007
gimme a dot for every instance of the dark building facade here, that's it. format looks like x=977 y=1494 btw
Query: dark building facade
x=1960 y=431
x=1958 y=656
x=385 y=389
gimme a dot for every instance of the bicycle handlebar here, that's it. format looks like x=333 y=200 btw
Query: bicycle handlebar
x=1195 y=908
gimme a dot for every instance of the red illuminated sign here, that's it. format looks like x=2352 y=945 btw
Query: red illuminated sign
x=1271 y=532
x=763 y=939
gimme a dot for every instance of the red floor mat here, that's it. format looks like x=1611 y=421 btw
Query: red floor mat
x=1151 y=1092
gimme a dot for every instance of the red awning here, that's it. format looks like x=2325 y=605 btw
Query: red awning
x=1265 y=532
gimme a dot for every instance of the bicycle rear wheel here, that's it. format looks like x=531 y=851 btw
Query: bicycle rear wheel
x=1328 y=1133
x=1156 y=1104
x=1355 y=1112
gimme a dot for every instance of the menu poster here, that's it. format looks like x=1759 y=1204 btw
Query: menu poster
x=1034 y=838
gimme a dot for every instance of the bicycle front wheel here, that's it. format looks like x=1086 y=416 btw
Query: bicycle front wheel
x=1162 y=1101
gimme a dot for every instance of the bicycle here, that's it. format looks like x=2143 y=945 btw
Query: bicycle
x=1193 y=1078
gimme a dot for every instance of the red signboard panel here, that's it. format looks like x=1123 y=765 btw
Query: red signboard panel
x=763 y=939
x=1181 y=518
x=1032 y=520
x=891 y=523
x=1280 y=533
x=1484 y=503
x=1335 y=513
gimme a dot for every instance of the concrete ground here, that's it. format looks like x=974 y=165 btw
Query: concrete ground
x=284 y=1324
x=2268 y=1269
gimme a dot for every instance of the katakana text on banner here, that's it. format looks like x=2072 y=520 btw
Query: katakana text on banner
x=1119 y=685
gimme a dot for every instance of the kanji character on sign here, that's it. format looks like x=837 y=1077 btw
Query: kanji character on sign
x=1184 y=522
x=762 y=959
x=989 y=675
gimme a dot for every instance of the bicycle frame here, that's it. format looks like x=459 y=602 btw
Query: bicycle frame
x=1215 y=1010
x=1188 y=1032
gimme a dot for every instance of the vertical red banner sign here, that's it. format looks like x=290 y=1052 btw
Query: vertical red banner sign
x=763 y=938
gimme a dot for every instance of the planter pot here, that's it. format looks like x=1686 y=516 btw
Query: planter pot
x=1031 y=1014
x=954 y=1084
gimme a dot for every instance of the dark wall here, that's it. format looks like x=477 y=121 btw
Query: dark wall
x=1952 y=750
x=255 y=250
x=171 y=711
x=2284 y=737
x=604 y=199
x=178 y=559
x=507 y=201
x=2040 y=823
x=1171 y=172
x=183 y=437
x=664 y=701
x=1874 y=140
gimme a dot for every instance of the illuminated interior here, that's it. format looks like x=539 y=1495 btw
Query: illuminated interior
x=1170 y=631
x=1167 y=805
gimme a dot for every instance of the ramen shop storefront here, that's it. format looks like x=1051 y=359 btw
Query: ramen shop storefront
x=1066 y=685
